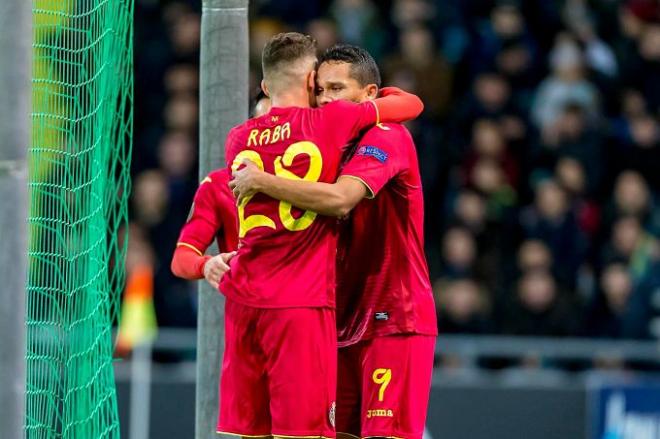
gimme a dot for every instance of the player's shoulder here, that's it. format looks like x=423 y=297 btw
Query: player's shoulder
x=387 y=133
x=237 y=131
x=214 y=186
x=217 y=176
x=215 y=182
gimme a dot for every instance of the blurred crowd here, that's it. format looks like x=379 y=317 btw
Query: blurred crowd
x=539 y=150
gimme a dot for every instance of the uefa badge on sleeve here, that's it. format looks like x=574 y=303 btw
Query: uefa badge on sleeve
x=331 y=413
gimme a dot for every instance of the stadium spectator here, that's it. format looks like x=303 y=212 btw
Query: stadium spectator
x=566 y=85
x=488 y=142
x=641 y=151
x=490 y=97
x=643 y=64
x=462 y=308
x=534 y=255
x=506 y=26
x=419 y=67
x=551 y=220
x=632 y=196
x=538 y=308
x=633 y=245
x=571 y=176
x=488 y=177
x=324 y=31
x=358 y=23
x=459 y=254
x=572 y=135
x=612 y=313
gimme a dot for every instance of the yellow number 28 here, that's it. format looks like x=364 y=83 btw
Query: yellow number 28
x=286 y=218
x=382 y=377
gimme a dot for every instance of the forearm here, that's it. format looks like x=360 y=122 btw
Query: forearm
x=322 y=198
x=396 y=105
x=187 y=264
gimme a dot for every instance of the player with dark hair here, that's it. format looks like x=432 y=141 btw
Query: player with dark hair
x=279 y=367
x=385 y=311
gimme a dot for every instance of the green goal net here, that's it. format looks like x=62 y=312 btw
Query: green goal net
x=79 y=182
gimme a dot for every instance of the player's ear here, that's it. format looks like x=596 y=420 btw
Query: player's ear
x=372 y=91
x=311 y=80
x=264 y=87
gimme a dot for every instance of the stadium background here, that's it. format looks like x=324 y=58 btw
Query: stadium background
x=539 y=150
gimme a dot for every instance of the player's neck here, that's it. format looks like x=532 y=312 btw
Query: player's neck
x=290 y=99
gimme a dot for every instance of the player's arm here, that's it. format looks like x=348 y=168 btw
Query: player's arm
x=395 y=105
x=330 y=199
x=187 y=264
x=189 y=261
x=343 y=120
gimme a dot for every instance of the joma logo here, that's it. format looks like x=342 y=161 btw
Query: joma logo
x=379 y=413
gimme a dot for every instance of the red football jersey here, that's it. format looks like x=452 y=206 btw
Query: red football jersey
x=212 y=215
x=383 y=282
x=286 y=255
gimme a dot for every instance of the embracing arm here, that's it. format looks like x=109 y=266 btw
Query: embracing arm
x=336 y=199
x=395 y=105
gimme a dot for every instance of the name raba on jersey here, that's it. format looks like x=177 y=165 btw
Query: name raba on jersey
x=269 y=136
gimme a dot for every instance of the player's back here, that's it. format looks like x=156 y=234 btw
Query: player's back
x=286 y=256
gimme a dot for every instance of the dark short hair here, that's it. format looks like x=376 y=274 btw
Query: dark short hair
x=286 y=48
x=363 y=66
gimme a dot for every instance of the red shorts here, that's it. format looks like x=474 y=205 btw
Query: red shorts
x=384 y=385
x=278 y=372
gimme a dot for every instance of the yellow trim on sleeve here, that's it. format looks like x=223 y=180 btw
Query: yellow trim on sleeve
x=371 y=194
x=377 y=112
x=185 y=244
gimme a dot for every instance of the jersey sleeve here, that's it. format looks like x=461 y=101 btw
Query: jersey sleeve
x=345 y=120
x=204 y=220
x=377 y=159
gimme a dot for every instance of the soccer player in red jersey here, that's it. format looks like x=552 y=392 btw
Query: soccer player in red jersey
x=385 y=311
x=212 y=216
x=279 y=368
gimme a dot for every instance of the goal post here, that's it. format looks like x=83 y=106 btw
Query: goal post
x=15 y=62
x=223 y=103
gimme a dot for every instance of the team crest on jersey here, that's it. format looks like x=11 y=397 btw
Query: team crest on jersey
x=372 y=151
x=332 y=413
